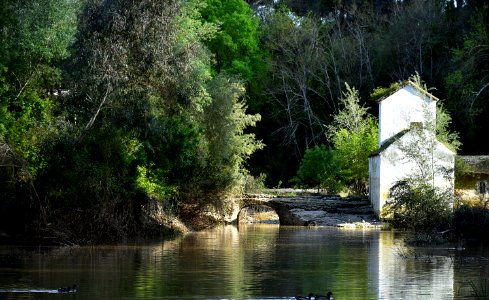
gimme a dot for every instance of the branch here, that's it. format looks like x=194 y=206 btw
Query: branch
x=25 y=84
x=7 y=156
x=478 y=93
x=94 y=117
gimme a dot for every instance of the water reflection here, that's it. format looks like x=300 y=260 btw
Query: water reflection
x=249 y=262
x=406 y=273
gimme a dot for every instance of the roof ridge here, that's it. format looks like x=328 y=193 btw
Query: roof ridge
x=412 y=84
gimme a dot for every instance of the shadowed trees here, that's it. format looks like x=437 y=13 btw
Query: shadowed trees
x=141 y=117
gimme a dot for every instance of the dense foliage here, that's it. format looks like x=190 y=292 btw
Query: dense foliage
x=108 y=105
x=320 y=168
x=235 y=46
x=138 y=117
x=315 y=48
x=419 y=206
x=354 y=136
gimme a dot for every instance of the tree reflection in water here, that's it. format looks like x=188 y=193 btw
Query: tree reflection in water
x=252 y=262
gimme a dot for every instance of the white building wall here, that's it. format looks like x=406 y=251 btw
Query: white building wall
x=391 y=166
x=445 y=159
x=396 y=113
x=374 y=182
x=399 y=110
x=393 y=169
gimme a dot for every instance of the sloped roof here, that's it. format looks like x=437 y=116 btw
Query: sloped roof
x=412 y=84
x=389 y=142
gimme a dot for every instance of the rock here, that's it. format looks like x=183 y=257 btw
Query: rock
x=320 y=210
x=323 y=218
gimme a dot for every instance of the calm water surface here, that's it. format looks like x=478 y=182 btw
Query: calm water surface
x=249 y=262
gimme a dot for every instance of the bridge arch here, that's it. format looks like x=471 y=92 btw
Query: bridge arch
x=247 y=211
x=281 y=209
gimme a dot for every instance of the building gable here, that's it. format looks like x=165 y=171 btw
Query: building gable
x=406 y=126
x=405 y=106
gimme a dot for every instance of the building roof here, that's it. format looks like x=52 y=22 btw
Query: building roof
x=478 y=164
x=389 y=142
x=412 y=84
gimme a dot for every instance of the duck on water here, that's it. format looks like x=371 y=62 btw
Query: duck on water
x=311 y=296
x=68 y=289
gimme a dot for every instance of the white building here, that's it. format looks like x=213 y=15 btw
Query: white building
x=407 y=145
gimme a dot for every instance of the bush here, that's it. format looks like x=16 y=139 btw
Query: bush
x=255 y=184
x=419 y=207
x=319 y=168
x=352 y=149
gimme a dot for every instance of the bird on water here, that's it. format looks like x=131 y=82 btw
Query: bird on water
x=311 y=296
x=68 y=289
x=329 y=296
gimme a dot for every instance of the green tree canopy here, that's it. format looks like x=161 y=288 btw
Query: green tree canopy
x=354 y=134
x=235 y=46
x=468 y=83
x=34 y=39
x=319 y=168
x=143 y=69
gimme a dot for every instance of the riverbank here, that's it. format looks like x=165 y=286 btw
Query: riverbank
x=152 y=219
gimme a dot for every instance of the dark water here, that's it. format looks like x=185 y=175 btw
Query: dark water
x=252 y=262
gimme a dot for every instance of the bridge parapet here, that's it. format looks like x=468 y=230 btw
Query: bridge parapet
x=255 y=199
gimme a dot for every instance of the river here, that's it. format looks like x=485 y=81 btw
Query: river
x=248 y=262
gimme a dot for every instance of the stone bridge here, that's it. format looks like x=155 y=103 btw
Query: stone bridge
x=325 y=210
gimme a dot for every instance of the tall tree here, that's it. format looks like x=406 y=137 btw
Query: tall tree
x=296 y=52
x=143 y=96
x=235 y=46
x=468 y=84
x=309 y=60
x=225 y=121
x=354 y=134
x=34 y=39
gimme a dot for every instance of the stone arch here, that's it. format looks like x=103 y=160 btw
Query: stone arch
x=281 y=209
x=249 y=205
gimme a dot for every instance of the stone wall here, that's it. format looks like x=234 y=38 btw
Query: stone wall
x=472 y=182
